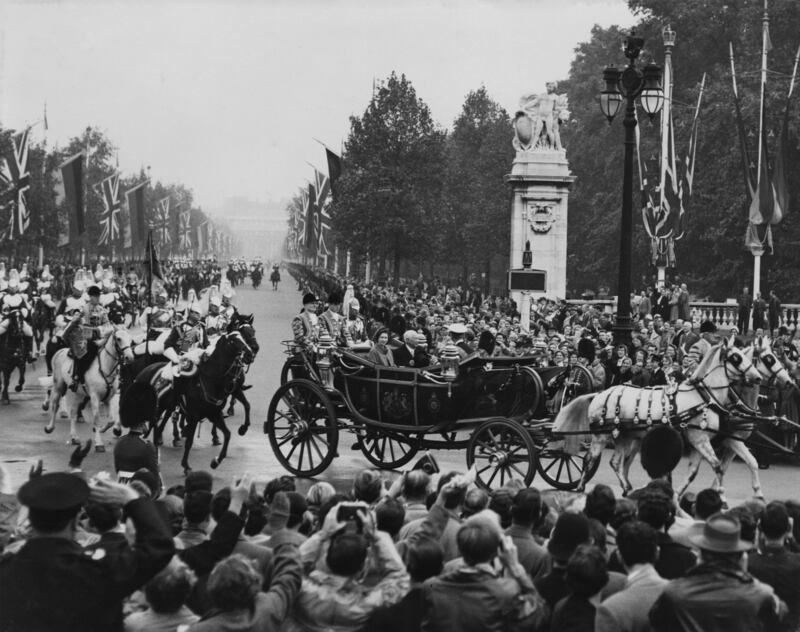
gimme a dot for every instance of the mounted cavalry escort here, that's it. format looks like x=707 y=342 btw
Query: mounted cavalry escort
x=90 y=367
x=697 y=408
x=16 y=335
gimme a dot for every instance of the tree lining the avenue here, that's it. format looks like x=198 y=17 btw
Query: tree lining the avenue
x=414 y=193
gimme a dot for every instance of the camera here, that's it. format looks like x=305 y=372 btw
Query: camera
x=348 y=513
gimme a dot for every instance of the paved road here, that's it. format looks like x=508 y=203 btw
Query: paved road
x=24 y=440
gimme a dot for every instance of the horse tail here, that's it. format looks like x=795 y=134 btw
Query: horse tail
x=574 y=419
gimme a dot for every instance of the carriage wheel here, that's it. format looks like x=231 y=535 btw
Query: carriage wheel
x=501 y=450
x=293 y=369
x=302 y=428
x=388 y=450
x=560 y=469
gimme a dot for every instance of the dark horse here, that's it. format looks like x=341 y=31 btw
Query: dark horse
x=244 y=325
x=42 y=323
x=13 y=354
x=275 y=277
x=202 y=395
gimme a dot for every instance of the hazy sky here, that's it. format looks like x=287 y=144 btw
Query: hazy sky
x=226 y=95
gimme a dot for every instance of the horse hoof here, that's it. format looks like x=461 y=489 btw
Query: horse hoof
x=48 y=430
x=214 y=464
x=117 y=432
x=18 y=388
x=74 y=441
x=242 y=430
x=216 y=442
x=99 y=448
x=176 y=443
x=46 y=406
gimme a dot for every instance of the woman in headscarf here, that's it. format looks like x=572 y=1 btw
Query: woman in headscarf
x=380 y=352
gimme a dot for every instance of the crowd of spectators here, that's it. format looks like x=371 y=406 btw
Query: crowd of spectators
x=420 y=551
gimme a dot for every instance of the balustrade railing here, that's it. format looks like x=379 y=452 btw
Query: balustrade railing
x=723 y=315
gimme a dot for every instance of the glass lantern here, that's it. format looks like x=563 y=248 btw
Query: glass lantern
x=324 y=348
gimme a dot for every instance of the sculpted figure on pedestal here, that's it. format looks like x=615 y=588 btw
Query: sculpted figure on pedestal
x=537 y=122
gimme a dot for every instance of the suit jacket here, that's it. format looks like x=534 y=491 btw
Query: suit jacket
x=628 y=610
x=403 y=357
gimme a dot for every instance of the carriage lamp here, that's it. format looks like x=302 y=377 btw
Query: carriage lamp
x=324 y=349
x=450 y=359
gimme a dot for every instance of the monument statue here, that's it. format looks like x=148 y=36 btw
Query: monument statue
x=536 y=124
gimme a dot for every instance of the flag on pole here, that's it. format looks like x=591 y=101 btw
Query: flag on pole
x=151 y=263
x=161 y=223
x=310 y=213
x=109 y=218
x=72 y=179
x=185 y=230
x=334 y=168
x=135 y=200
x=19 y=218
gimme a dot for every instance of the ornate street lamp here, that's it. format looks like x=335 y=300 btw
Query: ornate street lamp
x=629 y=85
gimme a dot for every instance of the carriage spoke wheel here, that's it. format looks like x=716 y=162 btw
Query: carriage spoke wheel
x=293 y=369
x=302 y=428
x=388 y=450
x=502 y=451
x=560 y=469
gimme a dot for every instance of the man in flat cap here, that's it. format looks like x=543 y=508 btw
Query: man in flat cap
x=52 y=583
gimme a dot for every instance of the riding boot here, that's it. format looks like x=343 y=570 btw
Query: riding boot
x=29 y=349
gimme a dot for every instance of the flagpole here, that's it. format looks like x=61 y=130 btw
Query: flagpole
x=666 y=119
x=759 y=250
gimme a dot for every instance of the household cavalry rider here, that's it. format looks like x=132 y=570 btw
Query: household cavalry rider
x=15 y=301
x=215 y=323
x=158 y=319
x=187 y=339
x=110 y=299
x=305 y=326
x=85 y=333
x=228 y=309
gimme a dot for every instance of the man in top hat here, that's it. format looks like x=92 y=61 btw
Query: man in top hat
x=14 y=301
x=85 y=333
x=52 y=583
x=332 y=321
x=708 y=338
x=137 y=409
x=305 y=326
x=718 y=595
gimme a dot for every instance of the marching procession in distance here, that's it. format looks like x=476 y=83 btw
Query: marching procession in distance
x=454 y=410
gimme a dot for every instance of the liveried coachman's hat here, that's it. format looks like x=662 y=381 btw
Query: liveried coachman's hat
x=54 y=492
x=707 y=327
x=309 y=298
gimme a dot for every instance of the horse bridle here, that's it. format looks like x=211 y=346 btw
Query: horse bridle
x=112 y=372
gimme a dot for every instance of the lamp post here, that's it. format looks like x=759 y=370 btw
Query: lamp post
x=629 y=84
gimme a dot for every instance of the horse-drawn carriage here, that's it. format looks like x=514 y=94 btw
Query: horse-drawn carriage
x=499 y=409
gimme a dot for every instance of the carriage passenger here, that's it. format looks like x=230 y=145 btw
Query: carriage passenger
x=380 y=352
x=85 y=333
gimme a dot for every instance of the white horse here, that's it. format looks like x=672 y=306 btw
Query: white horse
x=733 y=443
x=626 y=412
x=99 y=385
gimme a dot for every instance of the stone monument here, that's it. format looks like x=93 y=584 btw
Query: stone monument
x=540 y=180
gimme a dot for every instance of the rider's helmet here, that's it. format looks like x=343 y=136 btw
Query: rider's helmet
x=13 y=282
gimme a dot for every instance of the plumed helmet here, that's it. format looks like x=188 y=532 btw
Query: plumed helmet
x=3 y=275
x=138 y=405
x=662 y=447
x=77 y=281
x=46 y=276
x=23 y=272
x=98 y=273
x=13 y=279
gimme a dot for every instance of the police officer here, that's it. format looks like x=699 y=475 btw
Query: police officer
x=52 y=583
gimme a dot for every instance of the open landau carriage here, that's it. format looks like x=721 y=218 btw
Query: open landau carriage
x=499 y=409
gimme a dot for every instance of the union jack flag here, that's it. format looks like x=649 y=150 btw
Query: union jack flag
x=17 y=173
x=160 y=223
x=185 y=231
x=109 y=219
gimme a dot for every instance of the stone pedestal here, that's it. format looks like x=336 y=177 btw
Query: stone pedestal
x=540 y=180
